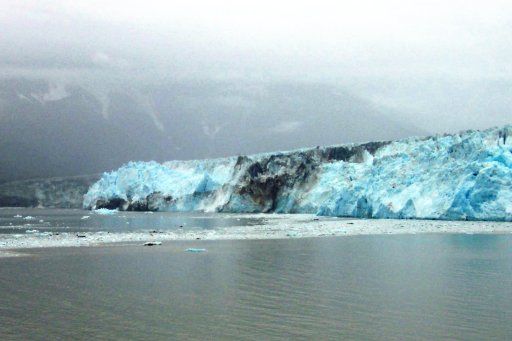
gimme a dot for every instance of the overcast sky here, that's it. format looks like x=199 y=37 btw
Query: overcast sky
x=445 y=65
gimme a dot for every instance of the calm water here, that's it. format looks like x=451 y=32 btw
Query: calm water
x=414 y=287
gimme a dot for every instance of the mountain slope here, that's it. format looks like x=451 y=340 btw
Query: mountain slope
x=57 y=129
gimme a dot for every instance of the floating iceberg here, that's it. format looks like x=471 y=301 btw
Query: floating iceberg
x=466 y=176
x=103 y=211
x=152 y=244
x=193 y=249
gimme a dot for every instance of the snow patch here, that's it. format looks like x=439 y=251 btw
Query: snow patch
x=56 y=92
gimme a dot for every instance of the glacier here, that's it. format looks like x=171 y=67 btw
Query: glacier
x=58 y=192
x=464 y=176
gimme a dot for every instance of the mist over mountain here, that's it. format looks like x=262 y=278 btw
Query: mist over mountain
x=87 y=86
x=50 y=128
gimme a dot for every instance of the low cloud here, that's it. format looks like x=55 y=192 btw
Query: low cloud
x=102 y=59
x=286 y=127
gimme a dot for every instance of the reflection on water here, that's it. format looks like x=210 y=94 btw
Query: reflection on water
x=413 y=287
x=69 y=220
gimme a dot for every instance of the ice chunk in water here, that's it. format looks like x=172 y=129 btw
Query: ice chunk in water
x=193 y=249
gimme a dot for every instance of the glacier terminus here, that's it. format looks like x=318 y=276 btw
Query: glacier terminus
x=465 y=176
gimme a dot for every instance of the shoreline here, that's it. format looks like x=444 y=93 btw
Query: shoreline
x=278 y=226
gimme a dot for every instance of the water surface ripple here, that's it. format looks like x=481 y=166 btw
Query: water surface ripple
x=401 y=287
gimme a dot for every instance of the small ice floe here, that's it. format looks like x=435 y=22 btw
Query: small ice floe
x=148 y=212
x=29 y=218
x=152 y=243
x=18 y=216
x=32 y=231
x=193 y=249
x=105 y=211
x=85 y=217
x=41 y=221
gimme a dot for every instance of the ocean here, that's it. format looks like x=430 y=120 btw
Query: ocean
x=367 y=287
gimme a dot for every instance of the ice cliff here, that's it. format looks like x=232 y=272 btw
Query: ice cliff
x=460 y=176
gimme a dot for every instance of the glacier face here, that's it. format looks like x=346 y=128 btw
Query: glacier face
x=456 y=177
